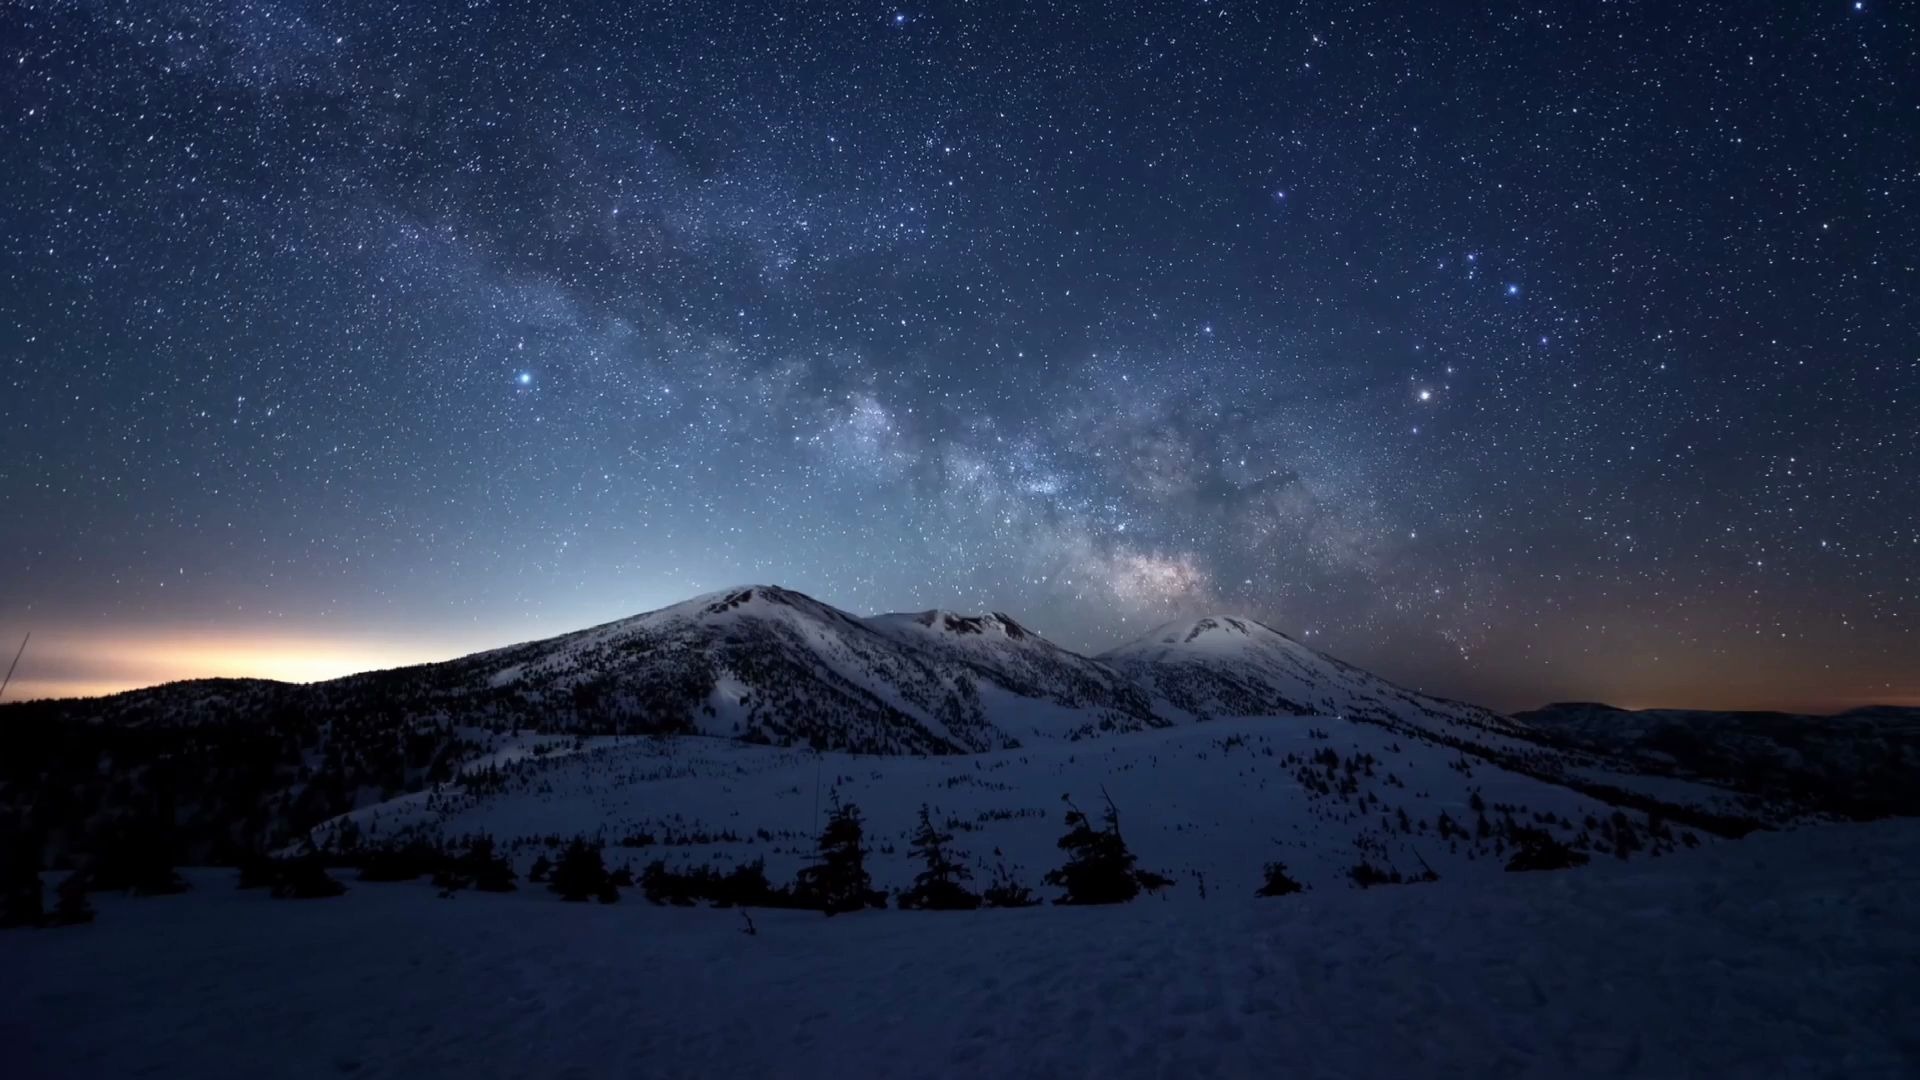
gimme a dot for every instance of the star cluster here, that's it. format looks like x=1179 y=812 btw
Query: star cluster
x=1562 y=350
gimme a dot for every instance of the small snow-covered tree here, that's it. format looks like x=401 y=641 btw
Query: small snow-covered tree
x=304 y=878
x=1006 y=892
x=486 y=868
x=580 y=874
x=135 y=857
x=20 y=891
x=71 y=908
x=1539 y=850
x=1099 y=868
x=1277 y=882
x=937 y=888
x=839 y=882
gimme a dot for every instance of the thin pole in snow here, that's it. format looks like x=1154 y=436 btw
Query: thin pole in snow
x=15 y=664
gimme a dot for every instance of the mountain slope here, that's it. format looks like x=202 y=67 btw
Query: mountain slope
x=1037 y=689
x=760 y=663
x=1201 y=802
x=1857 y=764
x=236 y=765
x=1222 y=665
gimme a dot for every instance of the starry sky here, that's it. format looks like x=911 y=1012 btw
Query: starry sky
x=1517 y=352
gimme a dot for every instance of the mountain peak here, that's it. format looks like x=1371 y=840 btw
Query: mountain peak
x=1208 y=633
x=991 y=624
x=748 y=600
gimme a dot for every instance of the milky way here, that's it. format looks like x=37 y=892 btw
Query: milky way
x=1565 y=350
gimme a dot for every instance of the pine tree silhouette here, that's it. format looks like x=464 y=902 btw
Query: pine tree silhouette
x=403 y=863
x=839 y=881
x=937 y=888
x=1005 y=892
x=1277 y=881
x=580 y=874
x=20 y=892
x=135 y=857
x=71 y=909
x=304 y=878
x=257 y=870
x=1100 y=868
x=488 y=870
x=1538 y=850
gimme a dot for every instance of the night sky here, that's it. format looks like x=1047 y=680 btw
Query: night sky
x=1516 y=352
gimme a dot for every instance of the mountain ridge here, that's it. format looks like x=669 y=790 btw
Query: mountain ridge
x=239 y=765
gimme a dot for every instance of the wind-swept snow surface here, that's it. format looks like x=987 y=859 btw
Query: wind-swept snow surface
x=1781 y=955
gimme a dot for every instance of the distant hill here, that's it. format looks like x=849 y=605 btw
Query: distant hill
x=1859 y=764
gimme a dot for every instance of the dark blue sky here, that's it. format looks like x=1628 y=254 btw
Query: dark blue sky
x=1565 y=350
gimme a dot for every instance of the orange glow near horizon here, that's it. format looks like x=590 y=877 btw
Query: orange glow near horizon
x=79 y=662
x=78 y=665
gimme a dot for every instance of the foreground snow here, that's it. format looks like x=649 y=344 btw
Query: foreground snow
x=1790 y=954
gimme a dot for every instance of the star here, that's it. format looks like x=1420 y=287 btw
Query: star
x=938 y=359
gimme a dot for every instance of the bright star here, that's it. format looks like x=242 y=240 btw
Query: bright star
x=1513 y=290
x=1426 y=395
x=525 y=378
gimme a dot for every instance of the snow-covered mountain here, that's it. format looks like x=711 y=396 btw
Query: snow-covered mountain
x=1030 y=686
x=1222 y=665
x=238 y=764
x=770 y=665
x=760 y=663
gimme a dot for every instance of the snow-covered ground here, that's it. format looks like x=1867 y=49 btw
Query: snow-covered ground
x=1208 y=802
x=1793 y=954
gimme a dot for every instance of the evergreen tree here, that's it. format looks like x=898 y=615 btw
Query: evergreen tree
x=663 y=886
x=580 y=874
x=257 y=870
x=1277 y=881
x=541 y=869
x=20 y=891
x=839 y=881
x=1100 y=868
x=403 y=863
x=1365 y=875
x=304 y=878
x=1538 y=850
x=136 y=858
x=1005 y=892
x=71 y=909
x=486 y=868
x=451 y=876
x=937 y=888
x=745 y=885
